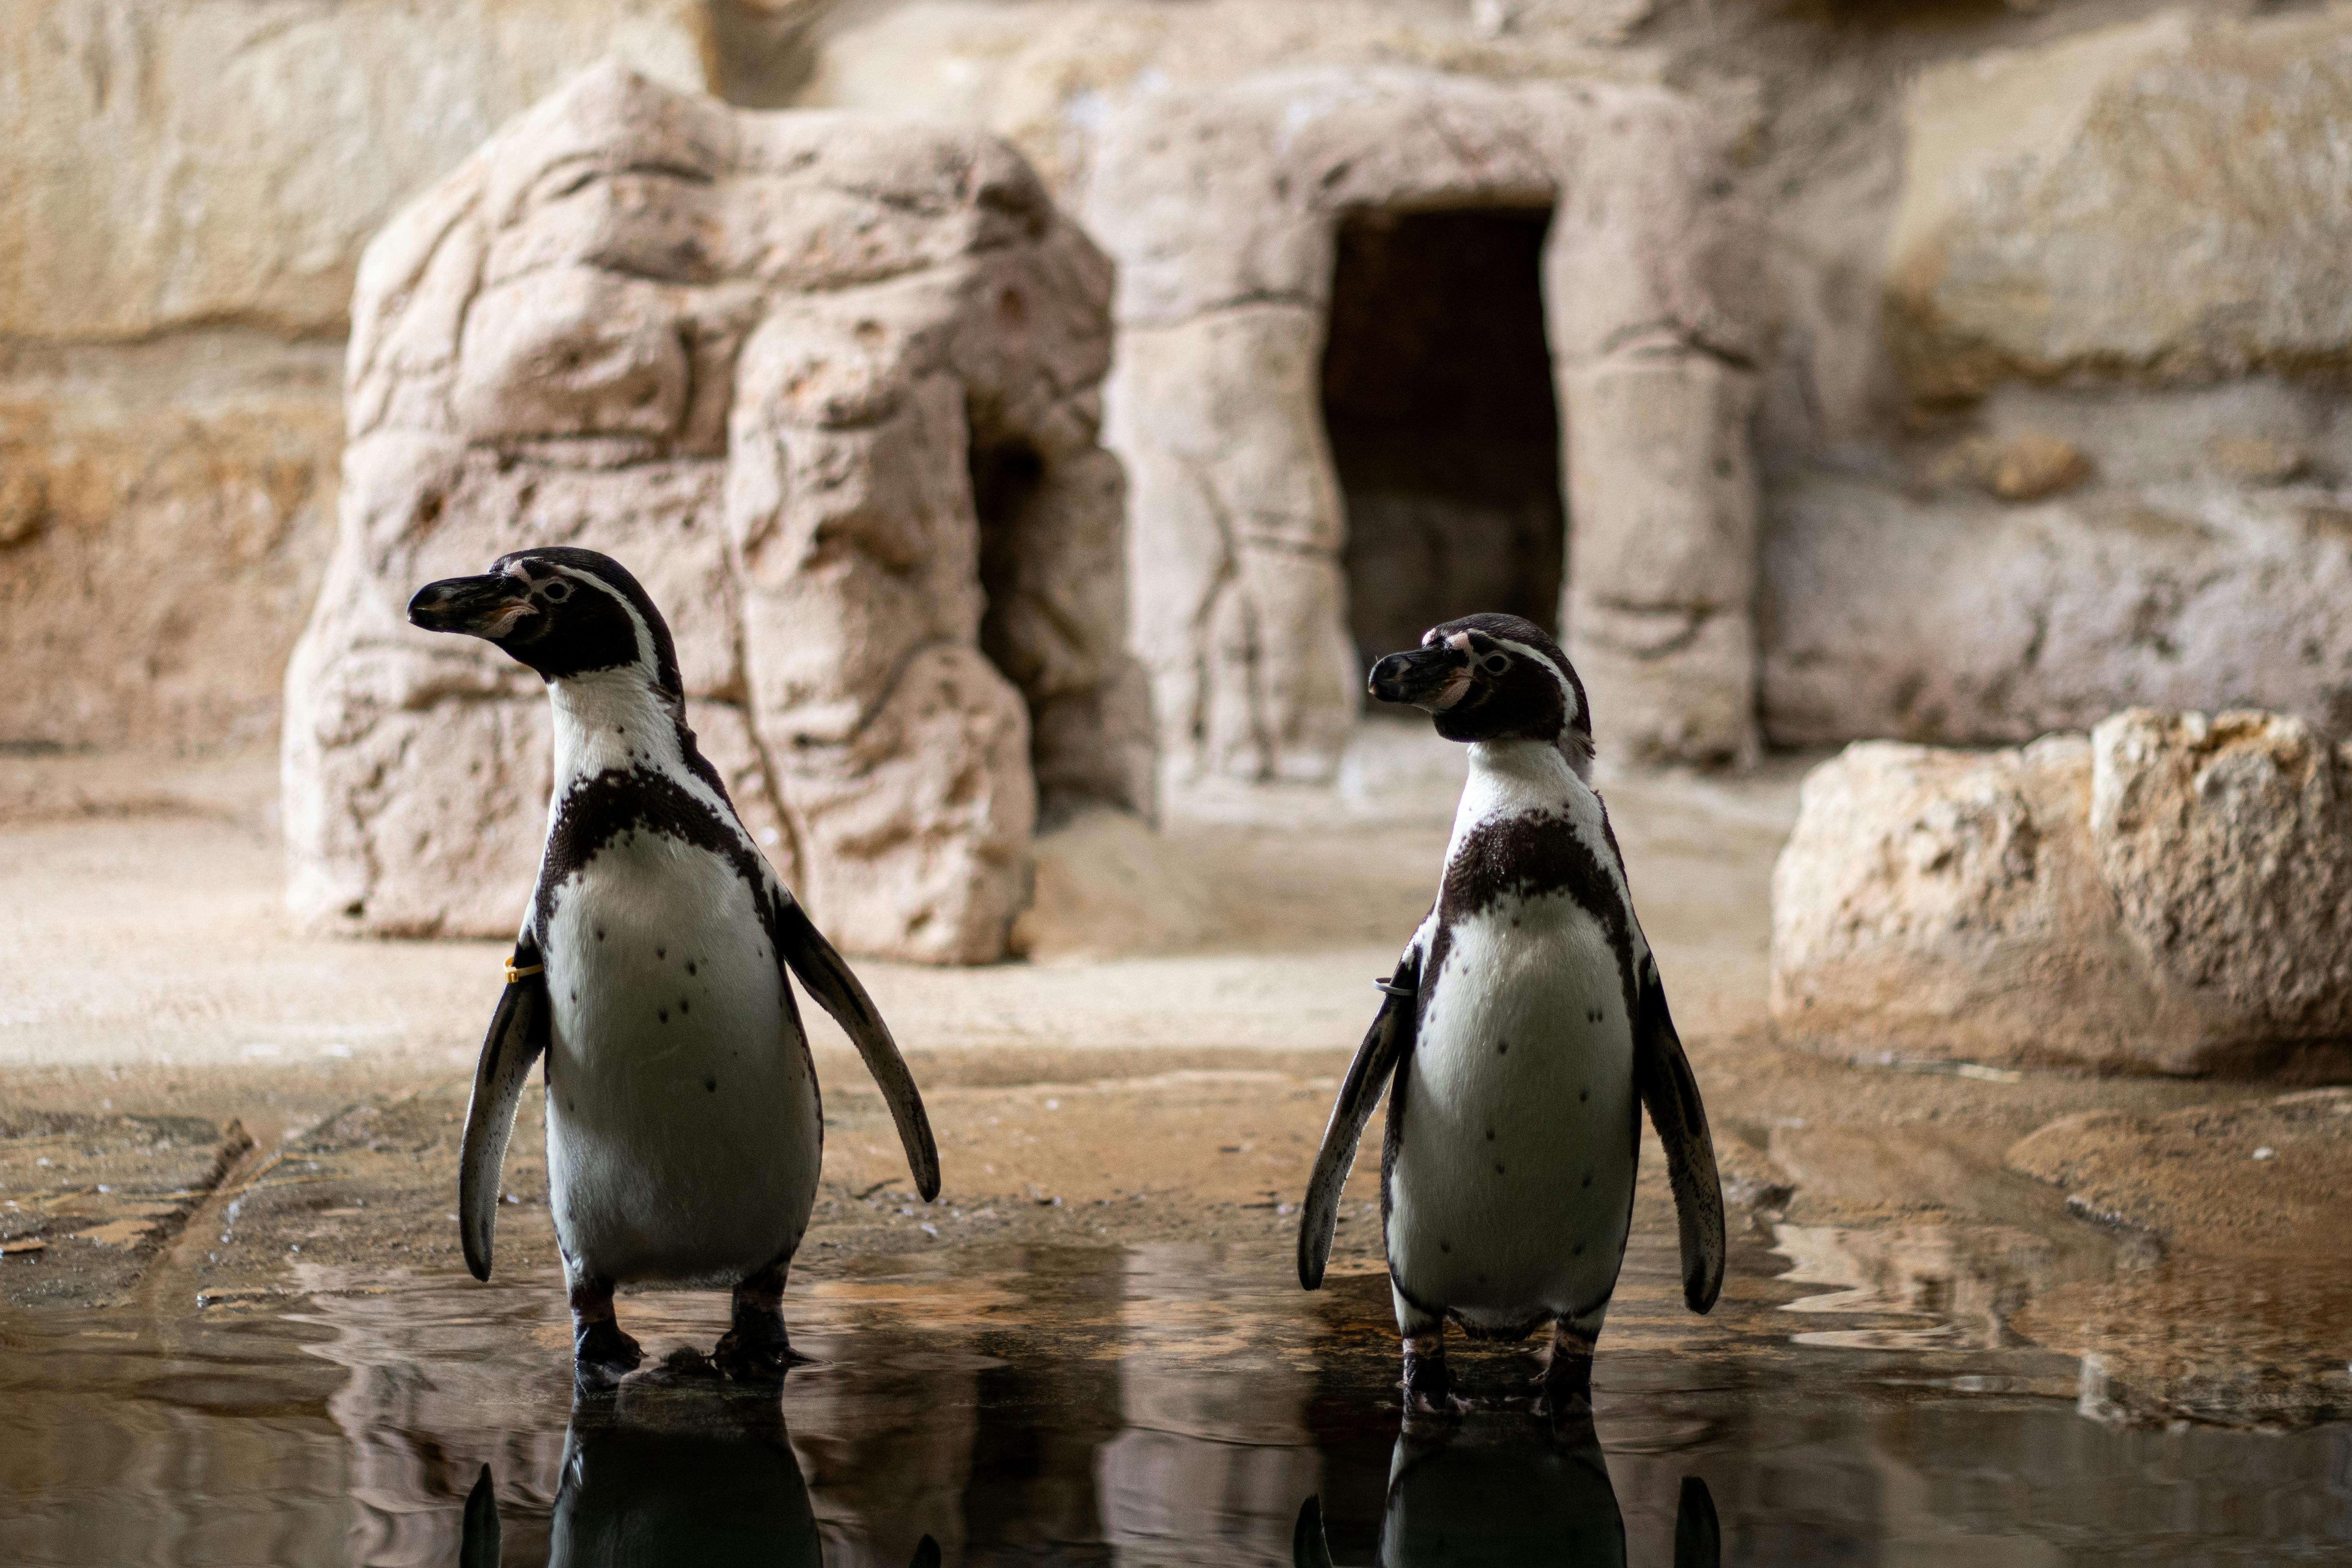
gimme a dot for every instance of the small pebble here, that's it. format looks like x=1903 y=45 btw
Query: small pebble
x=2266 y=1153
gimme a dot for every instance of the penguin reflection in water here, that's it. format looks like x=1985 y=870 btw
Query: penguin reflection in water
x=1465 y=1497
x=684 y=1133
x=698 y=1477
x=1524 y=1026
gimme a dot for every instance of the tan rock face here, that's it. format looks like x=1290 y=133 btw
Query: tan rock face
x=826 y=385
x=2156 y=200
x=1222 y=205
x=2165 y=895
x=164 y=512
x=1973 y=621
x=184 y=192
x=2227 y=843
x=173 y=165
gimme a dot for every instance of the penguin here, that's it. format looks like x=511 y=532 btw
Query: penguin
x=1523 y=1028
x=683 y=1125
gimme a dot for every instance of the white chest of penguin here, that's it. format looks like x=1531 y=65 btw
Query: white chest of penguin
x=682 y=1119
x=1512 y=1183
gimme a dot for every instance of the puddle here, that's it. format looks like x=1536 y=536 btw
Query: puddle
x=1170 y=1404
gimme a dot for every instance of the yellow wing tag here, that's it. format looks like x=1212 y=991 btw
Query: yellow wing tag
x=514 y=974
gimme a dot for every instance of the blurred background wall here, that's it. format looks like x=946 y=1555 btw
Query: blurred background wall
x=2052 y=412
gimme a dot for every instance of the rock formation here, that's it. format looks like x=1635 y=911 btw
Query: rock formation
x=2171 y=893
x=829 y=385
x=1221 y=205
x=2050 y=416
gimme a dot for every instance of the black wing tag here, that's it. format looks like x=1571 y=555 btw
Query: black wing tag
x=836 y=990
x=1376 y=1059
x=1663 y=1075
x=517 y=1034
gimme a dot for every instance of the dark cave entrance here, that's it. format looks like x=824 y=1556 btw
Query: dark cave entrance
x=1006 y=476
x=1008 y=493
x=1437 y=396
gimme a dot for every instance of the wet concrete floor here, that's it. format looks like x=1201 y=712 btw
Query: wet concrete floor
x=1973 y=1316
x=265 y=1351
x=1153 y=1403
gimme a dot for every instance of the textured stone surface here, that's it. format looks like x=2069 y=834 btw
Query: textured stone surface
x=1042 y=73
x=1220 y=207
x=165 y=515
x=2227 y=844
x=172 y=164
x=825 y=384
x=184 y=191
x=2161 y=199
x=1962 y=620
x=2167 y=894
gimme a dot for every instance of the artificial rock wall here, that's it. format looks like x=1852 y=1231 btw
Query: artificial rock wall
x=827 y=385
x=184 y=192
x=2050 y=408
x=2050 y=405
x=1222 y=205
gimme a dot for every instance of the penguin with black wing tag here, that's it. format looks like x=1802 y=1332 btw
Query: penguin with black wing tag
x=683 y=1132
x=1524 y=1030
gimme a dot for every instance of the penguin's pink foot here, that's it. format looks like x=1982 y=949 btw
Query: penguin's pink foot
x=1428 y=1385
x=1564 y=1387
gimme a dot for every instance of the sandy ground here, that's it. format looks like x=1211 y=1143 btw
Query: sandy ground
x=195 y=1099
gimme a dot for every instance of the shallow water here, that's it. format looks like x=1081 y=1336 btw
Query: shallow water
x=1152 y=1404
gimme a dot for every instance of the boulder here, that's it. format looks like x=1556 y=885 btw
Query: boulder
x=826 y=384
x=2167 y=894
x=2155 y=201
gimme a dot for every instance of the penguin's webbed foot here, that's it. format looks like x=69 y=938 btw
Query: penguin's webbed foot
x=756 y=1349
x=1428 y=1384
x=1564 y=1387
x=601 y=1355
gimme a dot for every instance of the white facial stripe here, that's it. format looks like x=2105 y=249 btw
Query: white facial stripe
x=645 y=633
x=1567 y=703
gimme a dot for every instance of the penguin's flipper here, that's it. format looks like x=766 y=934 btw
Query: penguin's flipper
x=1384 y=1046
x=1663 y=1075
x=517 y=1034
x=836 y=990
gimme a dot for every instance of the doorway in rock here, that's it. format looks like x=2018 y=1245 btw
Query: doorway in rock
x=1007 y=475
x=1437 y=396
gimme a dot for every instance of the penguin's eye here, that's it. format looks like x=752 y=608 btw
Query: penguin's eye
x=555 y=593
x=1495 y=663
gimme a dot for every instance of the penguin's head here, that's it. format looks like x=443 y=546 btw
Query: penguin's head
x=564 y=612
x=1492 y=678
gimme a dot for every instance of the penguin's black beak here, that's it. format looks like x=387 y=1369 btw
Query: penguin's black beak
x=1431 y=678
x=478 y=606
